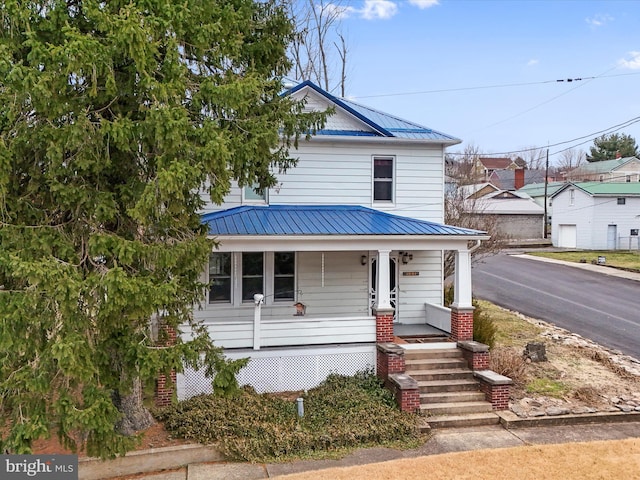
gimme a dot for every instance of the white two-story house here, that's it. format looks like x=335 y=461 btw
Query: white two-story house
x=346 y=252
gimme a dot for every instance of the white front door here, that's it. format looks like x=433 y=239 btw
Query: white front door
x=393 y=283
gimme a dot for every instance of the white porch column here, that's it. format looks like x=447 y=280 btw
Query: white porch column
x=383 y=294
x=462 y=283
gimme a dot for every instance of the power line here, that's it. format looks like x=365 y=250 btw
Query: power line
x=484 y=87
x=589 y=137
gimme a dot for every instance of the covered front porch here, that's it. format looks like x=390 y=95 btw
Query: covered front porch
x=350 y=275
x=305 y=291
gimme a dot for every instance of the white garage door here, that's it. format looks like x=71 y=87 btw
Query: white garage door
x=567 y=236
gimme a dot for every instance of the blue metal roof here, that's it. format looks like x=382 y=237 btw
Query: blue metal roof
x=384 y=124
x=320 y=220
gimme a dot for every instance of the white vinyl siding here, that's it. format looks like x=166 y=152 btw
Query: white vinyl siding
x=426 y=287
x=339 y=173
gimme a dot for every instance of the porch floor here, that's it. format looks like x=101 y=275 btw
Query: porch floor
x=418 y=332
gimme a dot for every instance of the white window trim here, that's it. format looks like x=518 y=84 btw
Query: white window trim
x=394 y=180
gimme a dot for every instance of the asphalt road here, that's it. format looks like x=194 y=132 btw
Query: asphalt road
x=602 y=308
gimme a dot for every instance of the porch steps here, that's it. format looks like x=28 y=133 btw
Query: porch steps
x=450 y=396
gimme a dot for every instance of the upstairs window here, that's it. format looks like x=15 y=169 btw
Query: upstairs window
x=254 y=194
x=572 y=196
x=622 y=201
x=383 y=179
x=220 y=278
x=252 y=275
x=284 y=268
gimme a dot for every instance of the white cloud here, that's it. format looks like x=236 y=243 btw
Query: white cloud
x=599 y=20
x=422 y=4
x=633 y=63
x=378 y=9
x=532 y=62
x=337 y=11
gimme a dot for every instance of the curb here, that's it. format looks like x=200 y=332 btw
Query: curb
x=147 y=461
x=510 y=420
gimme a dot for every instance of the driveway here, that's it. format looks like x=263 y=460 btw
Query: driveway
x=603 y=308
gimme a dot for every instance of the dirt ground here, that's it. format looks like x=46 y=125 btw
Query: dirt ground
x=576 y=461
x=587 y=377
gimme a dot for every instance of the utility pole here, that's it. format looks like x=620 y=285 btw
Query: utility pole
x=546 y=184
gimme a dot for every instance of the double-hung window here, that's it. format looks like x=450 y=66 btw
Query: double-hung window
x=383 y=188
x=252 y=275
x=220 y=278
x=284 y=268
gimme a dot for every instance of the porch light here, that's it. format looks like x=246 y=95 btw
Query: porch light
x=363 y=259
x=406 y=257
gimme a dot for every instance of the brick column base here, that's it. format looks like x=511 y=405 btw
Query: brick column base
x=496 y=388
x=384 y=325
x=476 y=354
x=389 y=360
x=461 y=324
x=165 y=386
x=406 y=392
x=164 y=389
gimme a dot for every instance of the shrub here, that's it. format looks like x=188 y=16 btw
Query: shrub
x=342 y=412
x=508 y=362
x=484 y=328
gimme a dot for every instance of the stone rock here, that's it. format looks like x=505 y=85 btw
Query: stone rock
x=614 y=400
x=555 y=411
x=537 y=413
x=637 y=409
x=536 y=352
x=580 y=410
x=625 y=408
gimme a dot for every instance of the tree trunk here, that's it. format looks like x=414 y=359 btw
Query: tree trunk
x=135 y=416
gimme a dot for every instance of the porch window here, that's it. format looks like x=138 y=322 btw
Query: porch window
x=252 y=275
x=383 y=179
x=220 y=278
x=284 y=267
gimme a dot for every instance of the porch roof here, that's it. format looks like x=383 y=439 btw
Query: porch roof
x=321 y=220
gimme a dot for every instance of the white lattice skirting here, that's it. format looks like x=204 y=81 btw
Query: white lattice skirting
x=284 y=370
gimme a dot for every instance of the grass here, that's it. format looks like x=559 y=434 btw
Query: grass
x=614 y=258
x=513 y=331
x=548 y=387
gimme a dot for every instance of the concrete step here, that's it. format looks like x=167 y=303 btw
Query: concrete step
x=449 y=397
x=432 y=353
x=434 y=363
x=441 y=374
x=458 y=421
x=459 y=385
x=456 y=408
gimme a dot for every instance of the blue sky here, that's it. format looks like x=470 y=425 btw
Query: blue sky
x=455 y=46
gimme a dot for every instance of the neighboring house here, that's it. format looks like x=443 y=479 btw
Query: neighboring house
x=516 y=216
x=596 y=216
x=515 y=179
x=344 y=254
x=485 y=166
x=618 y=170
